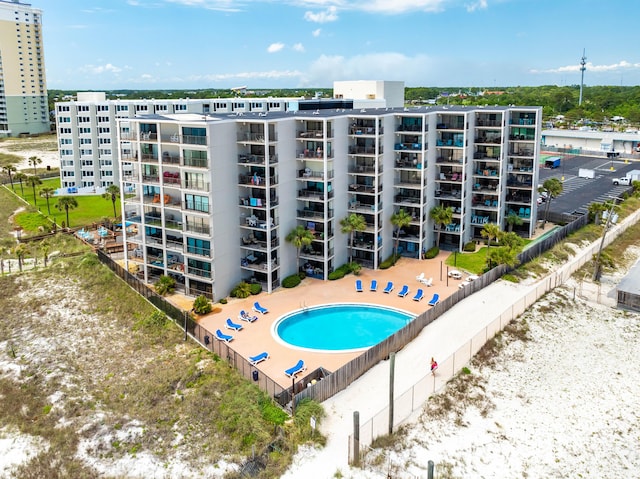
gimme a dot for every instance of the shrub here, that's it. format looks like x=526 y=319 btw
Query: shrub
x=255 y=288
x=432 y=253
x=202 y=305
x=302 y=275
x=223 y=301
x=291 y=281
x=337 y=274
x=386 y=264
x=355 y=268
x=470 y=247
x=242 y=290
x=154 y=321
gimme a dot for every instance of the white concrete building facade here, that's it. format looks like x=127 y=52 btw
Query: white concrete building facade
x=215 y=195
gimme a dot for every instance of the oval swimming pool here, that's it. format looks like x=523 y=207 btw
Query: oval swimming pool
x=339 y=327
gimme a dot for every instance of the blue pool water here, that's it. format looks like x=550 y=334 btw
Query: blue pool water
x=340 y=327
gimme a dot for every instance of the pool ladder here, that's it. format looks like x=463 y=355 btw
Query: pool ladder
x=303 y=306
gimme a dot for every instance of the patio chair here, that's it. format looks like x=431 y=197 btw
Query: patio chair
x=374 y=285
x=427 y=281
x=298 y=368
x=223 y=337
x=435 y=300
x=359 y=286
x=231 y=325
x=404 y=291
x=259 y=309
x=389 y=287
x=253 y=360
x=244 y=316
x=419 y=295
x=420 y=277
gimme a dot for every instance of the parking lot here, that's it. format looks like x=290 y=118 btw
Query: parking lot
x=578 y=192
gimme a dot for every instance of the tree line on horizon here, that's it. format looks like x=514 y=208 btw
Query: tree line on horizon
x=599 y=102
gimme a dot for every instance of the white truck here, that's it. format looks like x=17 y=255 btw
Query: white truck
x=626 y=180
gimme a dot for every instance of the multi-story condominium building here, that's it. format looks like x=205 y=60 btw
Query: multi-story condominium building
x=23 y=88
x=88 y=128
x=213 y=196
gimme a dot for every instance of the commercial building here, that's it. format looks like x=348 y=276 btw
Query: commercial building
x=23 y=87
x=213 y=195
x=592 y=141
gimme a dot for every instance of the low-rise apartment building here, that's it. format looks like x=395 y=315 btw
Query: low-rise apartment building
x=212 y=196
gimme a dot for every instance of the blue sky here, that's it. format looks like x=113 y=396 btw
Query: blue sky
x=182 y=44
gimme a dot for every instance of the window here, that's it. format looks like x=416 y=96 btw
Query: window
x=66 y=152
x=199 y=247
x=104 y=141
x=66 y=141
x=65 y=131
x=63 y=107
x=104 y=129
x=83 y=108
x=84 y=131
x=87 y=163
x=181 y=107
x=104 y=151
x=85 y=141
x=103 y=108
x=64 y=119
x=84 y=119
x=86 y=152
x=103 y=119
x=197 y=203
x=122 y=107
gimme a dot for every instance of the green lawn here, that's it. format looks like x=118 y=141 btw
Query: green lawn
x=91 y=209
x=471 y=262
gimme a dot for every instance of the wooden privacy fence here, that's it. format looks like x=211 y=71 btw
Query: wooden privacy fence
x=200 y=334
x=412 y=399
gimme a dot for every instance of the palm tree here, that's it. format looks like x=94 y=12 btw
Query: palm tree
x=165 y=285
x=112 y=193
x=441 y=215
x=46 y=193
x=9 y=171
x=35 y=161
x=552 y=188
x=513 y=220
x=490 y=231
x=67 y=203
x=399 y=220
x=20 y=251
x=349 y=225
x=299 y=237
x=34 y=181
x=20 y=177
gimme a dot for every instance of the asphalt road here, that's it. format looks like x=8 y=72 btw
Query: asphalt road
x=578 y=192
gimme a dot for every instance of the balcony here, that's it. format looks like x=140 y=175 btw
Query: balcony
x=314 y=194
x=256 y=180
x=310 y=213
x=202 y=273
x=197 y=228
x=151 y=179
x=195 y=162
x=365 y=150
x=309 y=174
x=408 y=146
x=194 y=140
x=196 y=185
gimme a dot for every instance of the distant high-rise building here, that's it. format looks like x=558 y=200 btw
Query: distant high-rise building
x=23 y=86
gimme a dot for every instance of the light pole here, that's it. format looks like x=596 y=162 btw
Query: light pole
x=598 y=269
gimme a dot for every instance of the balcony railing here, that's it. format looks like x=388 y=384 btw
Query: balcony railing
x=195 y=162
x=195 y=185
x=194 y=140
x=203 y=273
x=199 y=229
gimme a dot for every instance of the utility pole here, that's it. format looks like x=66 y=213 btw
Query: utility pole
x=598 y=269
x=583 y=67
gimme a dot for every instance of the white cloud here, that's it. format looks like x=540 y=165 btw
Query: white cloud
x=621 y=65
x=100 y=69
x=299 y=47
x=329 y=15
x=275 y=47
x=225 y=77
x=478 y=5
x=220 y=5
x=390 y=66
x=316 y=32
x=399 y=6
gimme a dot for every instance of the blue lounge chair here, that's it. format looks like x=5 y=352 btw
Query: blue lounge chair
x=389 y=287
x=359 y=285
x=259 y=358
x=374 y=285
x=244 y=316
x=223 y=337
x=404 y=291
x=259 y=309
x=419 y=295
x=298 y=368
x=435 y=300
x=231 y=325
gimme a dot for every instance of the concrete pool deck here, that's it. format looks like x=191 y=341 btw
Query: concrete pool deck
x=256 y=337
